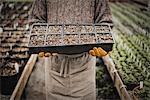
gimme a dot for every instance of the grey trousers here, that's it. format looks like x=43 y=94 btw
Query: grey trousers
x=63 y=77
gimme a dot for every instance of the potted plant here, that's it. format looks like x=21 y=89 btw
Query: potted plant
x=9 y=75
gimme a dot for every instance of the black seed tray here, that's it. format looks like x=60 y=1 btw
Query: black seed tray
x=69 y=38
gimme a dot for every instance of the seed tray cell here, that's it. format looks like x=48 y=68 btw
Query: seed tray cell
x=36 y=40
x=104 y=38
x=55 y=29
x=53 y=39
x=89 y=29
x=39 y=29
x=70 y=29
x=102 y=29
x=86 y=29
x=69 y=38
x=87 y=38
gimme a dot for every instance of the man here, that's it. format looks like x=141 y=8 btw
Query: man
x=67 y=77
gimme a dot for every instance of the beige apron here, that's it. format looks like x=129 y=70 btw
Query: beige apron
x=63 y=77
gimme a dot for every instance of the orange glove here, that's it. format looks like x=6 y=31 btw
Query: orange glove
x=47 y=54
x=41 y=54
x=99 y=52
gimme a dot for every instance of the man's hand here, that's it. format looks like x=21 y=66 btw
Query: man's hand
x=99 y=52
x=47 y=54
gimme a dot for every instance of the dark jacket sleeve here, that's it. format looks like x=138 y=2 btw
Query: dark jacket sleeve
x=102 y=12
x=38 y=12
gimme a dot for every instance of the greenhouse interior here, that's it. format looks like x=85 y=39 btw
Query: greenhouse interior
x=48 y=49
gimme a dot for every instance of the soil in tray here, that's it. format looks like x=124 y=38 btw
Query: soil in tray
x=53 y=39
x=87 y=38
x=89 y=29
x=104 y=38
x=70 y=29
x=102 y=29
x=86 y=29
x=70 y=35
x=71 y=39
x=39 y=29
x=54 y=29
x=37 y=40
